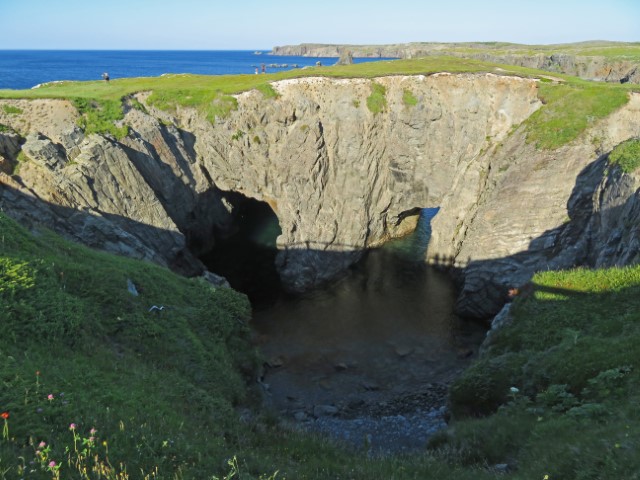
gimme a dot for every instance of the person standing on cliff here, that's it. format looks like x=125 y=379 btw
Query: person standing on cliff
x=105 y=76
x=264 y=68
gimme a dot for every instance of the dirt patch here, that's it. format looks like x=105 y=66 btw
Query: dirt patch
x=52 y=118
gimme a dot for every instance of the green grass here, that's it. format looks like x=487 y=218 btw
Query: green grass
x=627 y=155
x=570 y=107
x=409 y=99
x=611 y=50
x=141 y=379
x=100 y=116
x=11 y=110
x=377 y=101
x=572 y=352
x=5 y=128
x=267 y=90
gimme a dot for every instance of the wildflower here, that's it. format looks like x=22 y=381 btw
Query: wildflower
x=37 y=373
x=72 y=426
x=42 y=444
x=93 y=431
x=92 y=439
x=5 y=427
x=513 y=292
x=50 y=397
x=52 y=464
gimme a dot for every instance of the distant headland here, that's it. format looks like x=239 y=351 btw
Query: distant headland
x=594 y=60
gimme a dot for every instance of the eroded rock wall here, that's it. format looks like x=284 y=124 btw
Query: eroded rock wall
x=541 y=210
x=339 y=177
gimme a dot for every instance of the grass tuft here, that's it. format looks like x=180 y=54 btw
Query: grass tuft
x=560 y=384
x=377 y=101
x=100 y=117
x=267 y=91
x=11 y=110
x=409 y=99
x=627 y=155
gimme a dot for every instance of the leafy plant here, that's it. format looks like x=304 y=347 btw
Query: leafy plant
x=238 y=135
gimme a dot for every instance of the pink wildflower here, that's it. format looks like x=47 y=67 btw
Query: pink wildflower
x=52 y=464
x=50 y=397
x=42 y=444
x=93 y=431
x=72 y=426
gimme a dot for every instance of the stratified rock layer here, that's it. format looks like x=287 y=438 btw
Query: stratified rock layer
x=339 y=177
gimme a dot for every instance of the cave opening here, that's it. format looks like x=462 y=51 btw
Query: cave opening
x=245 y=251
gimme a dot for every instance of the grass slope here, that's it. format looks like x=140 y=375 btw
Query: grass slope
x=558 y=389
x=77 y=347
x=561 y=384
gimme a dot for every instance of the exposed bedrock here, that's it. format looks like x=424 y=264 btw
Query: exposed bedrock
x=339 y=178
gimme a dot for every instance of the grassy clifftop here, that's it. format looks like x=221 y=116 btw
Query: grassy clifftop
x=571 y=104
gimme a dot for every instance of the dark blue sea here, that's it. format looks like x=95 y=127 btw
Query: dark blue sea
x=20 y=69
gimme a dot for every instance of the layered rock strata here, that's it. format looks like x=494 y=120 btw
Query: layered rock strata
x=340 y=179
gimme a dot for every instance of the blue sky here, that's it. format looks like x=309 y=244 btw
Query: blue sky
x=253 y=24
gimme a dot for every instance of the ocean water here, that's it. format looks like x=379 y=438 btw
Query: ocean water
x=21 y=69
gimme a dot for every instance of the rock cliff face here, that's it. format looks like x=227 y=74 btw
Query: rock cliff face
x=540 y=210
x=339 y=178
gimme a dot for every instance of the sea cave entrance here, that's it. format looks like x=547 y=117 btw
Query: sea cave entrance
x=244 y=253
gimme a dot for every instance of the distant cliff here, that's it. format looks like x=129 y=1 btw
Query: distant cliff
x=339 y=177
x=572 y=59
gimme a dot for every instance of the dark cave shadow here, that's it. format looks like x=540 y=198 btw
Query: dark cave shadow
x=483 y=285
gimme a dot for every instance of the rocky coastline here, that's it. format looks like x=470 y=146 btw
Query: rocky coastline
x=317 y=155
x=588 y=67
